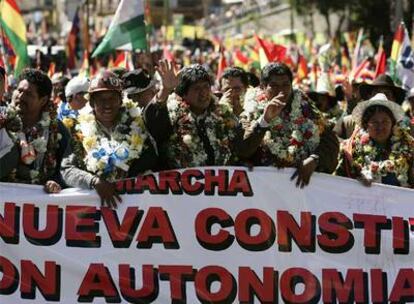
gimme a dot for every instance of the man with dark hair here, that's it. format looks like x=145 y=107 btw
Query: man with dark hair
x=284 y=129
x=234 y=84
x=39 y=139
x=112 y=143
x=199 y=131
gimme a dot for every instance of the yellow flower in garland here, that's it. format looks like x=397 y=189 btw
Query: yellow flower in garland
x=68 y=122
x=136 y=140
x=89 y=142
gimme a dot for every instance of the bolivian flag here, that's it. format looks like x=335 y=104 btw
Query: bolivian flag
x=15 y=29
x=397 y=43
x=127 y=29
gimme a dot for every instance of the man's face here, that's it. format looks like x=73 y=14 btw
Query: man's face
x=234 y=85
x=198 y=96
x=387 y=91
x=78 y=101
x=28 y=100
x=106 y=105
x=279 y=84
x=143 y=98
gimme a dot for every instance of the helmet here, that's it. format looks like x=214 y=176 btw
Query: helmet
x=105 y=81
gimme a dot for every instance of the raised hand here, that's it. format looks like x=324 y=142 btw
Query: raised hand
x=168 y=74
x=274 y=108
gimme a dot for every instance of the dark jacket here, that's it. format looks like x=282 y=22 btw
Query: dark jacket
x=162 y=128
x=11 y=161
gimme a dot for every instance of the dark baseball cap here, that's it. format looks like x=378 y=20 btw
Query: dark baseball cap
x=137 y=81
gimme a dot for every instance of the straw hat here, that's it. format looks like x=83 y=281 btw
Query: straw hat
x=378 y=100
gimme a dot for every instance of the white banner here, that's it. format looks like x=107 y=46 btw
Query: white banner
x=216 y=235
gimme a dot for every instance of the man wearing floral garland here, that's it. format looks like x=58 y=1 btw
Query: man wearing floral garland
x=198 y=131
x=234 y=83
x=112 y=142
x=39 y=138
x=284 y=129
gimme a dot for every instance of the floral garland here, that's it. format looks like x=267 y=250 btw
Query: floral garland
x=40 y=140
x=365 y=155
x=291 y=136
x=185 y=146
x=67 y=115
x=110 y=158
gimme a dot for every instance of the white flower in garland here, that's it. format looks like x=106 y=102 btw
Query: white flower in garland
x=187 y=139
x=40 y=144
x=45 y=120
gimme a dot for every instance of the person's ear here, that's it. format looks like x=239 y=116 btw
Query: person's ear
x=44 y=101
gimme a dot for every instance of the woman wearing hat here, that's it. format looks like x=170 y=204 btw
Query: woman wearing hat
x=379 y=150
x=111 y=143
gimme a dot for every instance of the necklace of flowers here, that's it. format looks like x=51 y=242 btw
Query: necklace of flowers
x=291 y=136
x=184 y=148
x=365 y=153
x=40 y=140
x=68 y=116
x=110 y=158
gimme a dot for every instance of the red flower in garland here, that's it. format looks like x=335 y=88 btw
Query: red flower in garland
x=278 y=127
x=294 y=142
x=299 y=121
x=374 y=167
x=364 y=139
x=308 y=134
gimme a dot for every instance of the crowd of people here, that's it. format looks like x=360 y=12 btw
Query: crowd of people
x=89 y=133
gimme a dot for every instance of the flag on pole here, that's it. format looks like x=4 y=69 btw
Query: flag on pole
x=264 y=54
x=84 y=70
x=362 y=71
x=15 y=29
x=357 y=49
x=381 y=60
x=127 y=29
x=402 y=58
x=120 y=60
x=303 y=71
x=222 y=64
x=240 y=60
x=73 y=42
